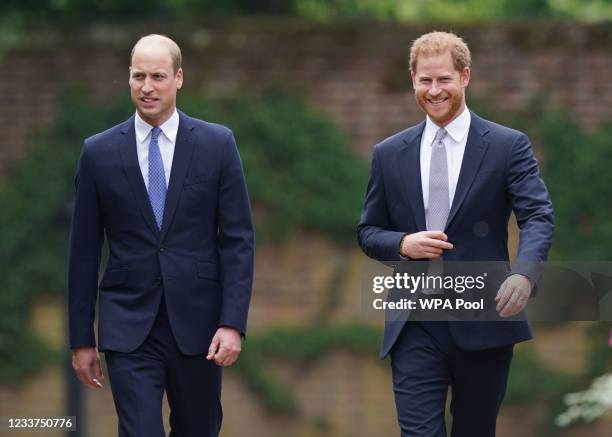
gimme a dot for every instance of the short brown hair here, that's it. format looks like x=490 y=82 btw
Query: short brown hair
x=173 y=48
x=434 y=43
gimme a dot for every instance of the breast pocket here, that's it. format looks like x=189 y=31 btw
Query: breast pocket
x=199 y=194
x=195 y=180
x=489 y=173
x=489 y=180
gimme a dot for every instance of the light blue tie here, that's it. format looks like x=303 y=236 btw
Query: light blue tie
x=157 y=178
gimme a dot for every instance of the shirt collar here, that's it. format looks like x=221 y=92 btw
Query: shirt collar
x=169 y=128
x=456 y=129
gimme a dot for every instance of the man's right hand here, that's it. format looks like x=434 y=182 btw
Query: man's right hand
x=86 y=365
x=426 y=244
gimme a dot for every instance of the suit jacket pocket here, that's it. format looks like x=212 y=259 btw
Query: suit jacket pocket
x=113 y=278
x=489 y=174
x=197 y=179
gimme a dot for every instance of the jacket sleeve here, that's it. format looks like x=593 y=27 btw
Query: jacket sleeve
x=533 y=209
x=373 y=231
x=235 y=240
x=86 y=237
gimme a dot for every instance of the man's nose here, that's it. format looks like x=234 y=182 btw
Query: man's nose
x=146 y=86
x=434 y=89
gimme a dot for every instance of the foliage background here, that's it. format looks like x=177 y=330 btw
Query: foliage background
x=322 y=10
x=322 y=180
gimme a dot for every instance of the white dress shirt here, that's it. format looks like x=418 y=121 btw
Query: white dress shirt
x=454 y=143
x=166 y=141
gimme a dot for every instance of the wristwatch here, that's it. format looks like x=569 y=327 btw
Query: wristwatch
x=403 y=258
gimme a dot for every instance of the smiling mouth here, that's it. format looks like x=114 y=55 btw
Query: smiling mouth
x=148 y=99
x=437 y=102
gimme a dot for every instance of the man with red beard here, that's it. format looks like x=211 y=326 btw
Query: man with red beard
x=445 y=189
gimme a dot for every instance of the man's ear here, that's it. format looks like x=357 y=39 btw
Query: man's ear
x=179 y=78
x=465 y=76
x=413 y=76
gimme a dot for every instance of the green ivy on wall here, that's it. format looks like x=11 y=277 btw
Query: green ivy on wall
x=577 y=169
x=528 y=372
x=283 y=143
x=412 y=11
x=298 y=345
x=34 y=220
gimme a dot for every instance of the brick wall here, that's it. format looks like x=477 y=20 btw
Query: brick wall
x=356 y=73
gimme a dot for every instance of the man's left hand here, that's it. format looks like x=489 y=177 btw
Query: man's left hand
x=225 y=346
x=513 y=295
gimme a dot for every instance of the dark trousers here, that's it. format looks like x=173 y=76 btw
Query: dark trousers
x=138 y=380
x=425 y=362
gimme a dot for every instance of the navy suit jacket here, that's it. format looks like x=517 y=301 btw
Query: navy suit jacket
x=498 y=175
x=201 y=260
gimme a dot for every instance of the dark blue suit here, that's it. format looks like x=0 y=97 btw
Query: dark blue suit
x=499 y=174
x=199 y=266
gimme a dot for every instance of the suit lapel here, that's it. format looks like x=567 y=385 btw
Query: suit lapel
x=183 y=150
x=475 y=150
x=409 y=167
x=129 y=158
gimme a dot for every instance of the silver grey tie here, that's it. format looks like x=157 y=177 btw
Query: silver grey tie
x=438 y=207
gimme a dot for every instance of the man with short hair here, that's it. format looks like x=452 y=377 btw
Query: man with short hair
x=445 y=188
x=169 y=192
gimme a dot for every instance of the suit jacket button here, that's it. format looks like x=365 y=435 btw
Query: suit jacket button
x=161 y=249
